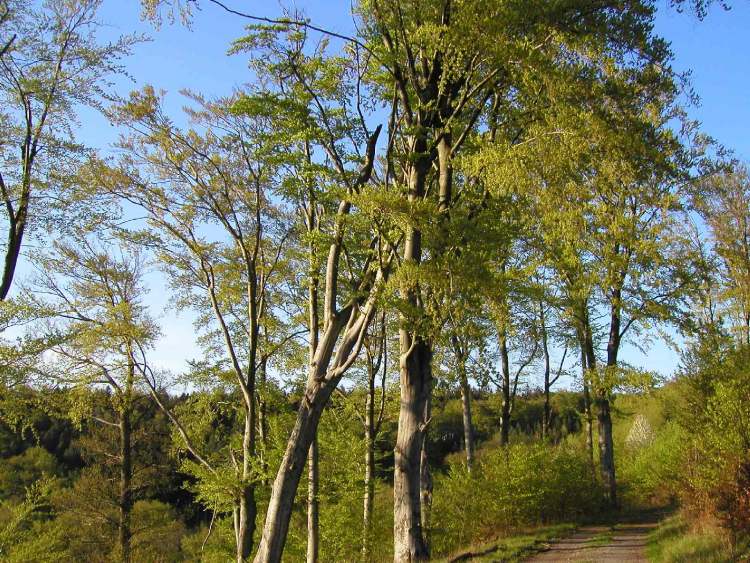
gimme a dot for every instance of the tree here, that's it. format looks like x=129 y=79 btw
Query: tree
x=5 y=44
x=724 y=204
x=50 y=67
x=545 y=331
x=322 y=139
x=444 y=62
x=376 y=362
x=97 y=295
x=207 y=193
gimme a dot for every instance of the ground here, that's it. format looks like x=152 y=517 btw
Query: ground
x=624 y=543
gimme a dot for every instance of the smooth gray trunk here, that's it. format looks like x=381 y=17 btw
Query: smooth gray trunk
x=416 y=386
x=288 y=477
x=409 y=543
x=313 y=515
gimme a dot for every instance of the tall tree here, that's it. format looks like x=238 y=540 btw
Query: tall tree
x=309 y=95
x=208 y=197
x=608 y=225
x=724 y=203
x=376 y=364
x=50 y=67
x=97 y=294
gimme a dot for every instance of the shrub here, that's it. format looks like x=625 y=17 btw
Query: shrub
x=511 y=488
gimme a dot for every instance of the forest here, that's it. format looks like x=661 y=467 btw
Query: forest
x=414 y=272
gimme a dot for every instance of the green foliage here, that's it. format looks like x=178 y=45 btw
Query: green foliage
x=22 y=525
x=674 y=541
x=20 y=472
x=698 y=452
x=523 y=485
x=651 y=471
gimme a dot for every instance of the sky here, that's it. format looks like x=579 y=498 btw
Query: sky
x=714 y=51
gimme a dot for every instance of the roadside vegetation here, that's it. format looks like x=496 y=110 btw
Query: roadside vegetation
x=413 y=259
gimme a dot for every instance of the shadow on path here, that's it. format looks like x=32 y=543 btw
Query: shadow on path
x=625 y=543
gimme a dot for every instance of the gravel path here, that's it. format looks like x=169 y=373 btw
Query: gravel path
x=627 y=543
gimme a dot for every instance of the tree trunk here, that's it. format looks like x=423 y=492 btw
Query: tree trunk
x=313 y=478
x=17 y=222
x=547 y=414
x=589 y=421
x=416 y=386
x=606 y=443
x=604 y=422
x=369 y=497
x=606 y=449
x=13 y=250
x=263 y=420
x=313 y=516
x=320 y=385
x=505 y=369
x=425 y=476
x=468 y=426
x=246 y=510
x=290 y=472
x=245 y=524
x=126 y=494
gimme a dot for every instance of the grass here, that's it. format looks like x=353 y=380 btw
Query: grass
x=674 y=541
x=602 y=538
x=513 y=548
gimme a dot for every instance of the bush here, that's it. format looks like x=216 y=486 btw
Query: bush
x=23 y=470
x=650 y=473
x=674 y=541
x=511 y=488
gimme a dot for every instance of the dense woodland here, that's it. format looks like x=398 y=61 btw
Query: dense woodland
x=413 y=256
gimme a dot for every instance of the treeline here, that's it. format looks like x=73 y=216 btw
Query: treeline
x=463 y=193
x=65 y=473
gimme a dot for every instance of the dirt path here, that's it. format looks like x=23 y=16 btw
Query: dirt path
x=625 y=543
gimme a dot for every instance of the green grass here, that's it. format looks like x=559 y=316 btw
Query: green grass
x=602 y=538
x=673 y=541
x=513 y=548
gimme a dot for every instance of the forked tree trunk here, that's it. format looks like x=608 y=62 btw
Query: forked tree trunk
x=320 y=385
x=347 y=327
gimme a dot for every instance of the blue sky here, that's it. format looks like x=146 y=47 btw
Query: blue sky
x=714 y=51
